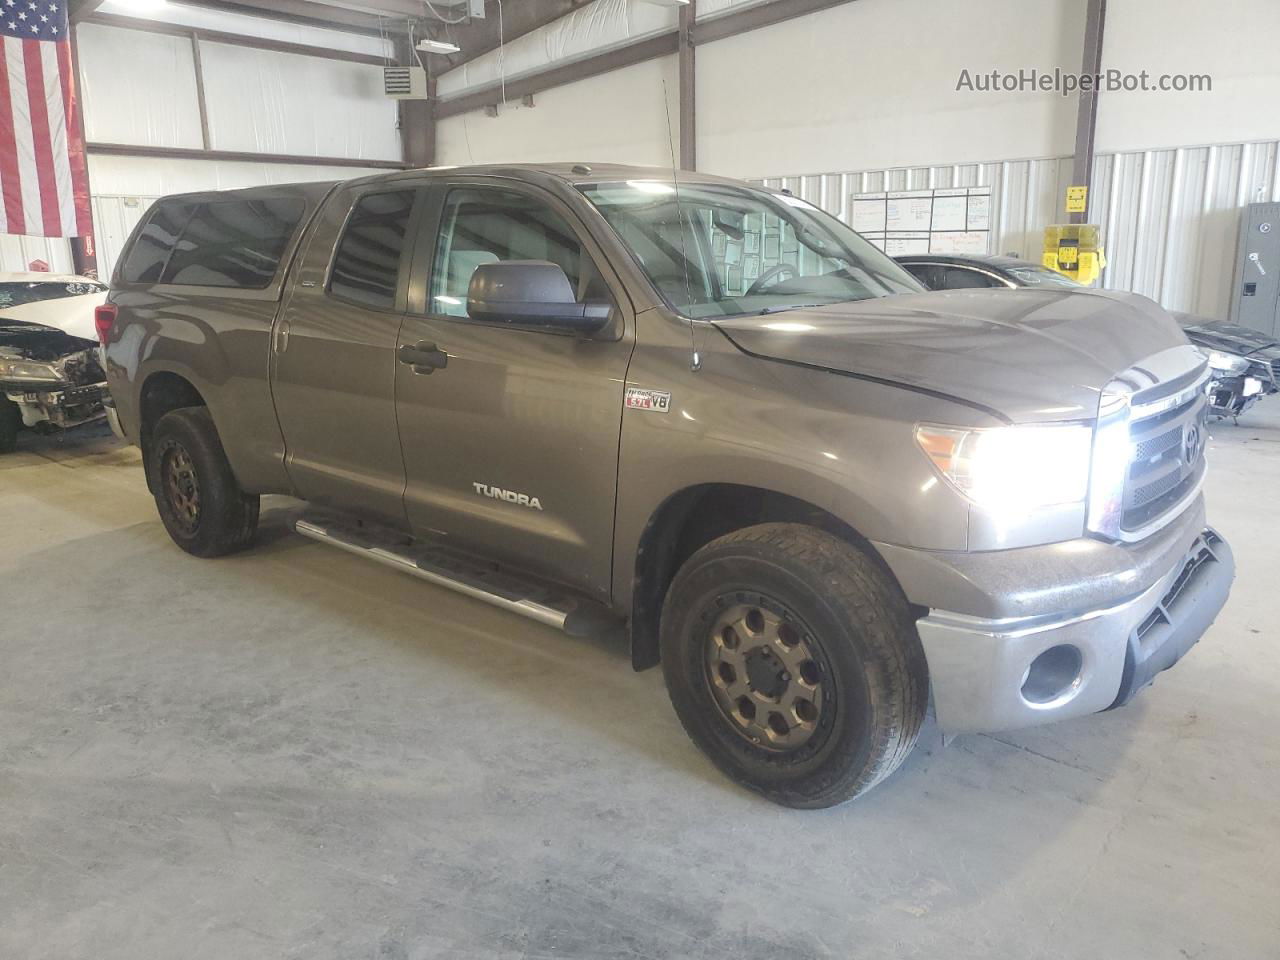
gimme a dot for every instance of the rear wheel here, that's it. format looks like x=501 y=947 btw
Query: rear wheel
x=200 y=503
x=10 y=424
x=793 y=663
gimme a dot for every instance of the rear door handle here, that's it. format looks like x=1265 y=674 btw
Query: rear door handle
x=424 y=357
x=282 y=336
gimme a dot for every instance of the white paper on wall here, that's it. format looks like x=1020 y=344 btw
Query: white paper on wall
x=953 y=220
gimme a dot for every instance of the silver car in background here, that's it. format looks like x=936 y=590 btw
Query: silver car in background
x=51 y=376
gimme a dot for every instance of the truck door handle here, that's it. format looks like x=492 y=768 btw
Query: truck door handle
x=424 y=357
x=282 y=336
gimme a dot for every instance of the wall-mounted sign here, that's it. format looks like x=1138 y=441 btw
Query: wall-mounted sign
x=1077 y=199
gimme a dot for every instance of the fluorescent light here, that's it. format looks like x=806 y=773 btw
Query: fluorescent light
x=438 y=46
x=141 y=6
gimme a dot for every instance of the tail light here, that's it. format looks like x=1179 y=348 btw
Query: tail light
x=104 y=319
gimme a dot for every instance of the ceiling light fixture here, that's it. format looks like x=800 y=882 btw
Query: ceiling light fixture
x=438 y=46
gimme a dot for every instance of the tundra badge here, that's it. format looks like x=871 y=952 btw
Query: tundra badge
x=497 y=493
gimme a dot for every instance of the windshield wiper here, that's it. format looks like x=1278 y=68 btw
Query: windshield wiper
x=793 y=306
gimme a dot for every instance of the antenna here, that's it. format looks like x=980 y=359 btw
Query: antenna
x=695 y=359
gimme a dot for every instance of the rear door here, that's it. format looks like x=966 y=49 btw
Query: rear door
x=511 y=448
x=334 y=351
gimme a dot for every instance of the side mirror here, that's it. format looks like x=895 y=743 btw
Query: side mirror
x=534 y=294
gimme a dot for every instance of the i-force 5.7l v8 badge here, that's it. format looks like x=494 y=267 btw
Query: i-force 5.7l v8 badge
x=638 y=398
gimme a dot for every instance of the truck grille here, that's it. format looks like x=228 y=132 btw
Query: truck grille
x=1168 y=433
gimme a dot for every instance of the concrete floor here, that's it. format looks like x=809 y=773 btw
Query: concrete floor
x=294 y=753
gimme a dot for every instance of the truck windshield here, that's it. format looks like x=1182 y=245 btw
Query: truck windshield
x=718 y=250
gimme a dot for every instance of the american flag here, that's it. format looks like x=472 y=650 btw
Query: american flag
x=43 y=183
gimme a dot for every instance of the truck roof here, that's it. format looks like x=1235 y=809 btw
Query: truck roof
x=569 y=172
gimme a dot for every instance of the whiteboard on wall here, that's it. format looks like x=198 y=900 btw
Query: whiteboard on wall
x=953 y=220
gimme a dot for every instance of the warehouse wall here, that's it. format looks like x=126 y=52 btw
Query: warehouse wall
x=139 y=89
x=869 y=83
x=1234 y=41
x=258 y=100
x=873 y=83
x=618 y=116
x=1169 y=217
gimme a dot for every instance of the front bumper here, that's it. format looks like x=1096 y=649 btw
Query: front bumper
x=59 y=405
x=1030 y=663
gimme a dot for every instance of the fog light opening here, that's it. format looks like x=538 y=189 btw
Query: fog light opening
x=1053 y=676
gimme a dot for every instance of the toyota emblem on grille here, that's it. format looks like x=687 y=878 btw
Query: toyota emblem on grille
x=1191 y=443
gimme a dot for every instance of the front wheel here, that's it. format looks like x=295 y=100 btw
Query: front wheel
x=200 y=503
x=792 y=662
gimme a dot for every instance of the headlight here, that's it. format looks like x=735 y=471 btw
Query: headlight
x=1227 y=362
x=28 y=370
x=1112 y=456
x=1017 y=467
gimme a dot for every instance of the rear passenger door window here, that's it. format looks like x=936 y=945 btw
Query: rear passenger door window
x=150 y=251
x=486 y=225
x=366 y=263
x=234 y=243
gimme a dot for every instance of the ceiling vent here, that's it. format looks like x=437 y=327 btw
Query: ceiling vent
x=404 y=83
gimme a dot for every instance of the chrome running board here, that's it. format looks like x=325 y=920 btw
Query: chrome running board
x=463 y=574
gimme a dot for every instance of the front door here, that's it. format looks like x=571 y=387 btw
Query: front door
x=334 y=354
x=511 y=447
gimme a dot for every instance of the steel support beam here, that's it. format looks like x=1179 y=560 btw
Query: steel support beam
x=195 y=153
x=753 y=18
x=1087 y=114
x=235 y=39
x=688 y=89
x=664 y=44
x=84 y=249
x=382 y=8
x=83 y=8
x=501 y=24
x=307 y=13
x=417 y=117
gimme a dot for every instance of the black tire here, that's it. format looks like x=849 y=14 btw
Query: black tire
x=200 y=503
x=10 y=424
x=863 y=659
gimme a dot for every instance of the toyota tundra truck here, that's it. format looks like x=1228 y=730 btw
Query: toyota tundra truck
x=818 y=496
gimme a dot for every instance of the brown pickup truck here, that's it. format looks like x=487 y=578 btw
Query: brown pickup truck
x=818 y=495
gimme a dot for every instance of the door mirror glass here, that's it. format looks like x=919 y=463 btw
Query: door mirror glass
x=531 y=293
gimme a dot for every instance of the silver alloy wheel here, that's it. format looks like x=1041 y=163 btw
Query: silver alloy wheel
x=766 y=676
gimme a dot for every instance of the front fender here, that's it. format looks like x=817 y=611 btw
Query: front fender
x=842 y=444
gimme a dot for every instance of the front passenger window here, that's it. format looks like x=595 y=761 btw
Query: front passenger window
x=486 y=225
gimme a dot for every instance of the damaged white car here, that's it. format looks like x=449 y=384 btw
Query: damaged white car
x=51 y=376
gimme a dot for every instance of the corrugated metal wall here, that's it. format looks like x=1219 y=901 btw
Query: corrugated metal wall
x=1170 y=217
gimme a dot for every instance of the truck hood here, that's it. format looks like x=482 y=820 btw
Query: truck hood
x=1026 y=355
x=1229 y=337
